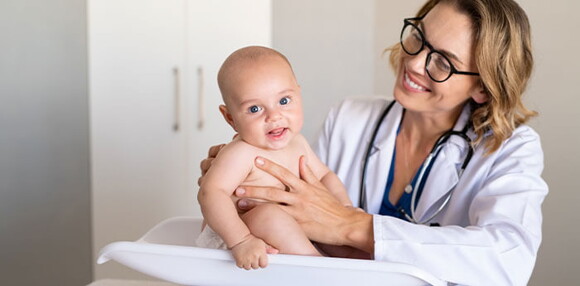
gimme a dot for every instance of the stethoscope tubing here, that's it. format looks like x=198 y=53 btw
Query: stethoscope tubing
x=362 y=193
x=421 y=178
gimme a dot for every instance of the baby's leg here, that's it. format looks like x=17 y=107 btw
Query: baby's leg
x=277 y=228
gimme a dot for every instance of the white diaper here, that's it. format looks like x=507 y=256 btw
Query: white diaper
x=210 y=239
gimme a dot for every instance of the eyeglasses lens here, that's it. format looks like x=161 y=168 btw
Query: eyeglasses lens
x=438 y=67
x=411 y=40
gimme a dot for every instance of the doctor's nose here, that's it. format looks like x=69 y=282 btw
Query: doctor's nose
x=416 y=63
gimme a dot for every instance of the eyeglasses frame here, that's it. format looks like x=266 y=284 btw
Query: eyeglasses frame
x=407 y=22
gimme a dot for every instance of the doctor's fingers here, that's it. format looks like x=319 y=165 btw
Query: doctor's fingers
x=214 y=150
x=211 y=154
x=270 y=194
x=284 y=175
x=205 y=165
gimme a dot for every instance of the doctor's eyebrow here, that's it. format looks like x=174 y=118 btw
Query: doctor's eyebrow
x=443 y=51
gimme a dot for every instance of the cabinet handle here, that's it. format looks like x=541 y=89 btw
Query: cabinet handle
x=200 y=98
x=176 y=98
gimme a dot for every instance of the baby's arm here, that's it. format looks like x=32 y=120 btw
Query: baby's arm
x=333 y=183
x=328 y=178
x=228 y=171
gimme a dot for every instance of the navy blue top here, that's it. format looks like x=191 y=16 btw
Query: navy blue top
x=387 y=208
x=404 y=203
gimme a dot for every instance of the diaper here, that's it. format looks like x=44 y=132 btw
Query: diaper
x=208 y=238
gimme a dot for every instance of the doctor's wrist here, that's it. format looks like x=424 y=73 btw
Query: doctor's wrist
x=358 y=231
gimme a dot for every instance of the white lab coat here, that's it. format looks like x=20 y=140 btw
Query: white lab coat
x=490 y=230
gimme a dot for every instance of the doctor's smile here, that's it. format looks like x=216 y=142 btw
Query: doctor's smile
x=412 y=85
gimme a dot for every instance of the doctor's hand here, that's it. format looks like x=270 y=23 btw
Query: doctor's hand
x=321 y=215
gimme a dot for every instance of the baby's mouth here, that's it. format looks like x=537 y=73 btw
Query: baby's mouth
x=277 y=133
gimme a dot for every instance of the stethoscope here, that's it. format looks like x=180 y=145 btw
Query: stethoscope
x=418 y=186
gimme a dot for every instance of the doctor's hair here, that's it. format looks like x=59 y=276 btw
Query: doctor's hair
x=503 y=56
x=237 y=61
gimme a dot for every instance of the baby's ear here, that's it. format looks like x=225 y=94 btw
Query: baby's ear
x=228 y=117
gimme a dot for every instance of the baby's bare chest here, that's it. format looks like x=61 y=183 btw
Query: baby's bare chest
x=288 y=159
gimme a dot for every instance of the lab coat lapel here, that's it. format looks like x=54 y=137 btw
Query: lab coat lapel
x=441 y=180
x=380 y=158
x=444 y=174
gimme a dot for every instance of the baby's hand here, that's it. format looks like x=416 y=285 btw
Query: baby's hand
x=250 y=253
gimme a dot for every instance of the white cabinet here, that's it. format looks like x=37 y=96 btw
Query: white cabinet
x=152 y=79
x=215 y=29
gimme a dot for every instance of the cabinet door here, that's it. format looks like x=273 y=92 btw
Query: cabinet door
x=215 y=29
x=143 y=169
x=139 y=161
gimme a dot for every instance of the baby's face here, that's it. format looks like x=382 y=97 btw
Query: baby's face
x=265 y=104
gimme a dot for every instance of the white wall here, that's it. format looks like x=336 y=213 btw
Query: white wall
x=334 y=65
x=554 y=94
x=330 y=46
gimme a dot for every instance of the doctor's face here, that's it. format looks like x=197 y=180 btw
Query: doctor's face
x=264 y=104
x=450 y=33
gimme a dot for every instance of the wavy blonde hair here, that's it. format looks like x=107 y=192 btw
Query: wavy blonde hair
x=503 y=55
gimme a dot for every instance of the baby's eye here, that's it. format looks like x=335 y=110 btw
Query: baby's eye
x=285 y=100
x=254 y=109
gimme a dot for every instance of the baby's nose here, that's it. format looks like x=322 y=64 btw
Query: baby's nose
x=273 y=116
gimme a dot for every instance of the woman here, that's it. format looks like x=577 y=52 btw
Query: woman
x=472 y=214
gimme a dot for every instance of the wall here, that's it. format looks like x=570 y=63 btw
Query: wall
x=388 y=21
x=553 y=94
x=330 y=45
x=44 y=150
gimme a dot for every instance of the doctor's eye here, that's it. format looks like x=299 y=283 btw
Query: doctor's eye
x=285 y=100
x=254 y=109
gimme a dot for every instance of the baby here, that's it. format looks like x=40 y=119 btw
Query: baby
x=264 y=106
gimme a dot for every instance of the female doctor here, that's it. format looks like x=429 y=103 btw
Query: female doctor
x=448 y=174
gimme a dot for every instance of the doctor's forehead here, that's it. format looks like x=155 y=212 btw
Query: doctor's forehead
x=450 y=31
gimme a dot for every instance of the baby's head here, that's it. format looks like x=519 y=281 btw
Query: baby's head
x=262 y=98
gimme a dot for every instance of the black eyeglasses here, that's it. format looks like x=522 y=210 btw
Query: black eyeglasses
x=438 y=66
